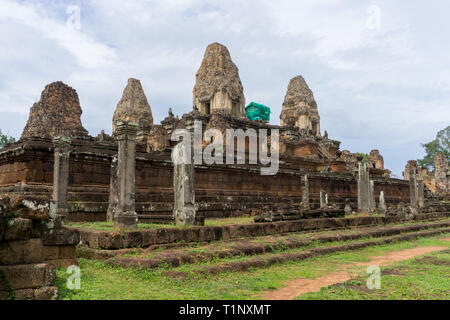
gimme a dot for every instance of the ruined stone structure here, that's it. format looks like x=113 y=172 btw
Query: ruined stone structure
x=32 y=245
x=437 y=181
x=57 y=112
x=411 y=166
x=441 y=174
x=376 y=160
x=218 y=87
x=134 y=107
x=95 y=186
x=299 y=107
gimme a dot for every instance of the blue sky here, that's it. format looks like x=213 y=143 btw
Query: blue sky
x=379 y=70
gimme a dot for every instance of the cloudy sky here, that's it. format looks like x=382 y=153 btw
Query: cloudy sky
x=379 y=70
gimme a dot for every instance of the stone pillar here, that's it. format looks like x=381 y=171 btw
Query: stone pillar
x=323 y=199
x=113 y=192
x=305 y=192
x=363 y=187
x=372 y=204
x=125 y=134
x=440 y=173
x=420 y=194
x=412 y=189
x=60 y=179
x=183 y=187
x=382 y=203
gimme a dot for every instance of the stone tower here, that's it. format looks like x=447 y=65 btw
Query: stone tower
x=134 y=107
x=218 y=88
x=58 y=112
x=411 y=165
x=299 y=107
x=376 y=160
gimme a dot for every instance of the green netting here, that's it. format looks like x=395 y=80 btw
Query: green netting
x=257 y=111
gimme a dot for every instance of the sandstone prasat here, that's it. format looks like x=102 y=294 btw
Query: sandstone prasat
x=130 y=177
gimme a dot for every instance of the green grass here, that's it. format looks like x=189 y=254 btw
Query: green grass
x=109 y=226
x=423 y=278
x=101 y=281
x=227 y=221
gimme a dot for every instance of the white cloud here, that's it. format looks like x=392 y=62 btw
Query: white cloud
x=380 y=88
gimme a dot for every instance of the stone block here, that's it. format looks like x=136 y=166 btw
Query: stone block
x=61 y=236
x=27 y=276
x=24 y=294
x=21 y=252
x=46 y=293
x=67 y=252
x=18 y=229
x=51 y=253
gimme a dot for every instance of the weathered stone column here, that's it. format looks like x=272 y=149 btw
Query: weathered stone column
x=305 y=192
x=363 y=187
x=412 y=189
x=60 y=179
x=420 y=194
x=348 y=208
x=440 y=173
x=323 y=199
x=382 y=204
x=125 y=134
x=113 y=192
x=183 y=187
x=372 y=204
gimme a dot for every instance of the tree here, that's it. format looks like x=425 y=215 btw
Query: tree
x=365 y=156
x=4 y=139
x=440 y=144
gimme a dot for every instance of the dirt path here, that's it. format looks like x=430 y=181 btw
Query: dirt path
x=296 y=287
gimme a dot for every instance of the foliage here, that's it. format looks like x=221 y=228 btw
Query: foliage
x=440 y=144
x=365 y=157
x=4 y=139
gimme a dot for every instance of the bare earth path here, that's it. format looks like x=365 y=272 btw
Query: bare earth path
x=296 y=287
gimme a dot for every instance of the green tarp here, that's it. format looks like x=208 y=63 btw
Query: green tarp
x=257 y=111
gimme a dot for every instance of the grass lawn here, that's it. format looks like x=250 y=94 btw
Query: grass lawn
x=423 y=278
x=101 y=281
x=109 y=226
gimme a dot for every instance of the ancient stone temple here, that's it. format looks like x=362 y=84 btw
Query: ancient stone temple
x=299 y=107
x=58 y=111
x=221 y=190
x=437 y=181
x=376 y=160
x=134 y=107
x=218 y=87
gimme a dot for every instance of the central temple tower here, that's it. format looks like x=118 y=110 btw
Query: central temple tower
x=218 y=88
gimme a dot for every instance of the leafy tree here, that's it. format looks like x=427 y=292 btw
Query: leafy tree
x=365 y=157
x=441 y=144
x=4 y=139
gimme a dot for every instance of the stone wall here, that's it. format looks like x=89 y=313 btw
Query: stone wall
x=31 y=248
x=27 y=167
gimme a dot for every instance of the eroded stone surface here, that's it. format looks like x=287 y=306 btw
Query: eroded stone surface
x=57 y=112
x=134 y=107
x=299 y=107
x=218 y=87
